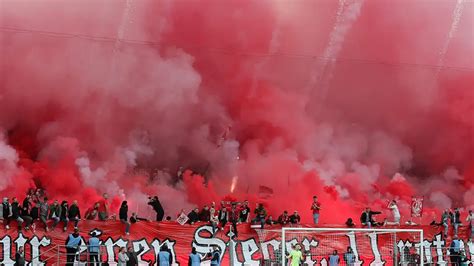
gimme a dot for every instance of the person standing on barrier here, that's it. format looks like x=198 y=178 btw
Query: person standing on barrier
x=123 y=215
x=234 y=218
x=72 y=245
x=93 y=248
x=194 y=258
x=395 y=213
x=315 y=207
x=455 y=218
x=214 y=219
x=444 y=222
x=470 y=222
x=104 y=207
x=157 y=207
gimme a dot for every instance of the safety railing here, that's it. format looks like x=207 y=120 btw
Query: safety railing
x=448 y=256
x=61 y=255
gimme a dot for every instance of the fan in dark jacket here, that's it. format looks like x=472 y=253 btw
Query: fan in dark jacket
x=16 y=212
x=123 y=215
x=205 y=214
x=133 y=256
x=74 y=213
x=6 y=212
x=193 y=216
x=20 y=257
x=156 y=204
x=366 y=218
x=295 y=218
x=64 y=214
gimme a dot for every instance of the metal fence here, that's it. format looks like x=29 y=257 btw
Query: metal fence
x=59 y=255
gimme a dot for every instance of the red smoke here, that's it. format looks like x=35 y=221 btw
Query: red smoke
x=340 y=99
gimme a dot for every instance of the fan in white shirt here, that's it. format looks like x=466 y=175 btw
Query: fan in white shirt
x=395 y=213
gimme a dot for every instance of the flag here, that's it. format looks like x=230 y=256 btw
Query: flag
x=265 y=192
x=182 y=218
x=416 y=206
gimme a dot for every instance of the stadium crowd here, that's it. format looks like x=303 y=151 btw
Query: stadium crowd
x=36 y=208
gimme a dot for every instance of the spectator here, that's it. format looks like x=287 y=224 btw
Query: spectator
x=157 y=207
x=296 y=256
x=234 y=217
x=223 y=215
x=92 y=213
x=20 y=257
x=463 y=260
x=34 y=211
x=194 y=258
x=15 y=214
x=43 y=213
x=55 y=213
x=295 y=218
x=93 y=247
x=104 y=207
x=27 y=203
x=168 y=218
x=470 y=221
x=73 y=242
x=74 y=213
x=6 y=212
x=122 y=257
x=123 y=216
x=315 y=207
x=134 y=218
x=334 y=259
x=27 y=219
x=455 y=219
x=284 y=219
x=133 y=255
x=350 y=222
x=270 y=221
x=367 y=218
x=444 y=222
x=349 y=257
x=395 y=213
x=215 y=257
x=214 y=219
x=193 y=216
x=63 y=217
x=244 y=212
x=454 y=251
x=204 y=215
x=260 y=215
x=164 y=257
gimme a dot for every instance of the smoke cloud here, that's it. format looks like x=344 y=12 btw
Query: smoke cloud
x=355 y=101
